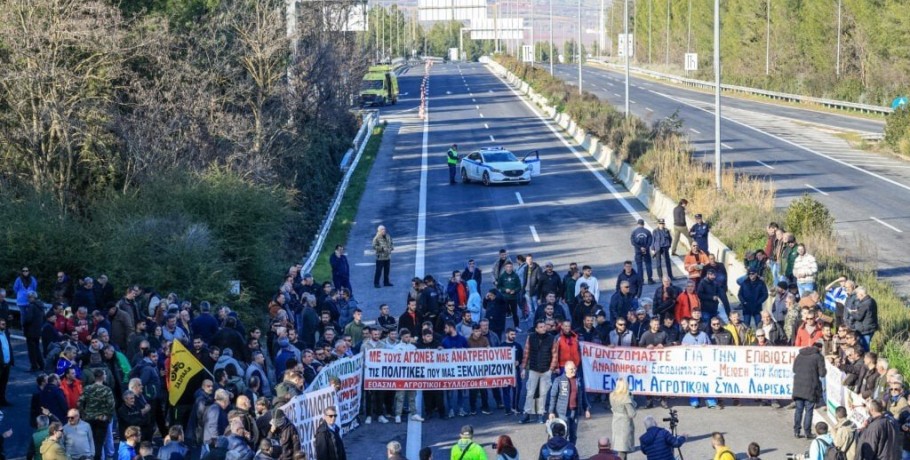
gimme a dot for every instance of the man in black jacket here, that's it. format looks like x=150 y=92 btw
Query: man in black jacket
x=808 y=369
x=32 y=321
x=665 y=298
x=327 y=442
x=536 y=370
x=660 y=247
x=881 y=438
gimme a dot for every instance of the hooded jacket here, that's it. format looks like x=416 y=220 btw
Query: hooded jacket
x=558 y=445
x=475 y=303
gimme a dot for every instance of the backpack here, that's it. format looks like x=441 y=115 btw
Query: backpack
x=833 y=453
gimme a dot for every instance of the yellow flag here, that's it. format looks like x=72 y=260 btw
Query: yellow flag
x=182 y=367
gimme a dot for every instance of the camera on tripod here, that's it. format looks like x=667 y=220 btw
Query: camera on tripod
x=673 y=419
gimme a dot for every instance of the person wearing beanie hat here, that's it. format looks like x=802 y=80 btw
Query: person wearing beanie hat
x=286 y=434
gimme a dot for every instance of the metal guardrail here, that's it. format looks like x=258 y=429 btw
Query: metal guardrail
x=369 y=122
x=831 y=103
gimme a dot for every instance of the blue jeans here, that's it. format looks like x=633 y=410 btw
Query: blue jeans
x=711 y=402
x=805 y=287
x=455 y=400
x=511 y=395
x=571 y=418
x=751 y=318
x=803 y=414
x=775 y=270
x=866 y=341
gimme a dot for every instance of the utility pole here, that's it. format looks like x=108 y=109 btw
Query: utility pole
x=717 y=164
x=531 y=26
x=837 y=64
x=551 y=37
x=578 y=48
x=650 y=7
x=768 y=41
x=689 y=32
x=668 y=34
x=625 y=20
x=600 y=30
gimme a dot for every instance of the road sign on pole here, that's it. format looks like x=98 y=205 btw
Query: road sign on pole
x=623 y=46
x=527 y=54
x=691 y=61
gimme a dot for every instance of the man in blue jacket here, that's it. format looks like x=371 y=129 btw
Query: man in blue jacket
x=341 y=270
x=642 y=241
x=657 y=443
x=752 y=296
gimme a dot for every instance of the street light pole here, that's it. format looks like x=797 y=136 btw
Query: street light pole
x=650 y=7
x=551 y=37
x=531 y=26
x=837 y=70
x=768 y=41
x=625 y=20
x=668 y=34
x=717 y=164
x=578 y=48
x=600 y=30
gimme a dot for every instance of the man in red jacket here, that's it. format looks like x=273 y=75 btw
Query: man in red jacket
x=565 y=349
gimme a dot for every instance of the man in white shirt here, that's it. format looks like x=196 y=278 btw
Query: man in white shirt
x=590 y=280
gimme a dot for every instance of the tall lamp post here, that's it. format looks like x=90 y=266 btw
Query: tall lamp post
x=551 y=37
x=578 y=48
x=625 y=20
x=717 y=164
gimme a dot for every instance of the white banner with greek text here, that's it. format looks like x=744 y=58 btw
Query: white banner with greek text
x=349 y=375
x=305 y=411
x=701 y=371
x=440 y=369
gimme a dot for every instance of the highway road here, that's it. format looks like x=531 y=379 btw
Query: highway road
x=868 y=193
x=567 y=214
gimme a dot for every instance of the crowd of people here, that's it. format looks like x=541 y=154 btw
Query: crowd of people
x=100 y=359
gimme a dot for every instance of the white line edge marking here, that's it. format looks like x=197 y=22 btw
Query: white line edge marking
x=886 y=224
x=492 y=139
x=764 y=164
x=518 y=197
x=819 y=191
x=695 y=130
x=534 y=234
x=801 y=147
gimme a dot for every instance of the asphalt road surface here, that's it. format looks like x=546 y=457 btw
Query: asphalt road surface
x=868 y=193
x=574 y=215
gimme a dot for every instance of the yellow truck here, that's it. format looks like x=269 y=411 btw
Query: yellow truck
x=379 y=86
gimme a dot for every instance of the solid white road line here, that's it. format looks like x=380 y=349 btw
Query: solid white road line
x=694 y=130
x=415 y=429
x=728 y=147
x=534 y=234
x=491 y=138
x=365 y=264
x=887 y=224
x=764 y=164
x=488 y=127
x=801 y=147
x=518 y=197
x=817 y=190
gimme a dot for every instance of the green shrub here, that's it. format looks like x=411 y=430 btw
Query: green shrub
x=897 y=130
x=807 y=215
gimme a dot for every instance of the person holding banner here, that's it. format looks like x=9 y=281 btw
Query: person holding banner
x=455 y=399
x=405 y=345
x=536 y=367
x=696 y=336
x=568 y=398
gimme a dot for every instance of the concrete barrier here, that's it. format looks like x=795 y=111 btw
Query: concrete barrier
x=659 y=204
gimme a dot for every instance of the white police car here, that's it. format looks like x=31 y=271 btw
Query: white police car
x=492 y=165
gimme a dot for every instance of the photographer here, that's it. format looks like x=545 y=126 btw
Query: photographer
x=658 y=443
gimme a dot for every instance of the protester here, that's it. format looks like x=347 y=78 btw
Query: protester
x=657 y=443
x=328 y=443
x=77 y=435
x=808 y=369
x=881 y=438
x=624 y=410
x=721 y=451
x=383 y=247
x=466 y=448
x=505 y=450
x=52 y=449
x=568 y=399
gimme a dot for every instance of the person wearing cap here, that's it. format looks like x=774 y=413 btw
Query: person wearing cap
x=752 y=296
x=288 y=437
x=661 y=240
x=466 y=448
x=699 y=232
x=642 y=240
x=452 y=162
